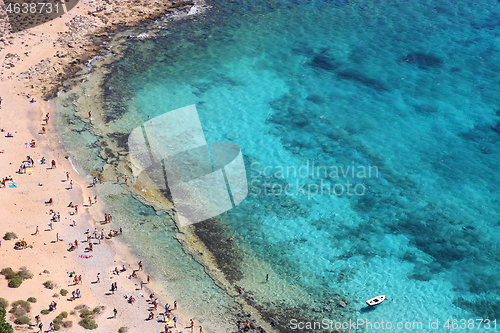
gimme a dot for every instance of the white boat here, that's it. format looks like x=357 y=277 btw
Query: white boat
x=375 y=300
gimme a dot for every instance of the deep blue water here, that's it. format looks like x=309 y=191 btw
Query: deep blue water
x=405 y=89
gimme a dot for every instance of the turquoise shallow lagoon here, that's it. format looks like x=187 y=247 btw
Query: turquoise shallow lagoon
x=403 y=92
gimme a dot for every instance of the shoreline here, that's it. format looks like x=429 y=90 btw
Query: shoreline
x=14 y=110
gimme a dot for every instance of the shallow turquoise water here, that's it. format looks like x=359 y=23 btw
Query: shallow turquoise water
x=408 y=88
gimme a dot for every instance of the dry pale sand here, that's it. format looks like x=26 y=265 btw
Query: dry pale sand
x=23 y=208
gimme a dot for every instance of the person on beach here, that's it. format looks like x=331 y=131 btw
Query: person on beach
x=191 y=321
x=140 y=265
x=116 y=286
x=98 y=278
x=267 y=277
x=114 y=312
x=175 y=321
x=43 y=129
x=76 y=211
x=90 y=201
x=95 y=199
x=117 y=179
x=71 y=184
x=90 y=114
x=149 y=278
x=126 y=179
x=67 y=176
x=40 y=327
x=37 y=231
x=53 y=163
x=105 y=218
x=51 y=224
x=141 y=284
x=112 y=288
x=79 y=280
x=175 y=305
x=151 y=315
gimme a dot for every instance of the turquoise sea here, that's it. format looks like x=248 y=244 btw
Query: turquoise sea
x=404 y=93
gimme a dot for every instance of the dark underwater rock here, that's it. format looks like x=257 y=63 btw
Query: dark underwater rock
x=362 y=79
x=323 y=62
x=496 y=127
x=426 y=109
x=423 y=60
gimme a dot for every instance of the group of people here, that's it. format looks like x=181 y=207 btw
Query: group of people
x=108 y=218
x=75 y=207
x=52 y=306
x=5 y=180
x=55 y=217
x=22 y=244
x=248 y=325
x=28 y=163
x=76 y=293
x=77 y=279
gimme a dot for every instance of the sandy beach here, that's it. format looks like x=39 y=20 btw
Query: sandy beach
x=33 y=63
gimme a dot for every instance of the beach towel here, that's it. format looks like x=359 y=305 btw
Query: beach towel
x=12 y=185
x=29 y=171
